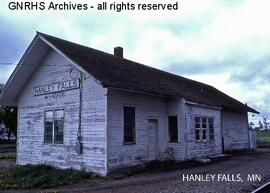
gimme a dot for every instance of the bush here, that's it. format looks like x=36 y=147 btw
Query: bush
x=42 y=176
x=7 y=156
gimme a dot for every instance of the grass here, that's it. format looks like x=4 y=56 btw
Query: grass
x=40 y=176
x=9 y=155
x=7 y=145
x=263 y=138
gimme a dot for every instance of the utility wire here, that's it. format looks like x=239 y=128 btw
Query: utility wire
x=7 y=63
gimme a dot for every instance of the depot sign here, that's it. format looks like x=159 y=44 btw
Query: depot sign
x=57 y=87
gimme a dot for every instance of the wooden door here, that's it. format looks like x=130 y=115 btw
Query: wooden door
x=153 y=141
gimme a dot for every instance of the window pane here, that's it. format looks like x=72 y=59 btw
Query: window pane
x=173 y=128
x=211 y=122
x=59 y=126
x=59 y=114
x=204 y=134
x=211 y=134
x=48 y=127
x=49 y=114
x=197 y=134
x=129 y=124
x=204 y=122
x=197 y=122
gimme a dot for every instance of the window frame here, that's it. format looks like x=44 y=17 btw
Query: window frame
x=54 y=142
x=169 y=129
x=133 y=142
x=203 y=129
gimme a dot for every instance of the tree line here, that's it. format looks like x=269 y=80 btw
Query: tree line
x=8 y=121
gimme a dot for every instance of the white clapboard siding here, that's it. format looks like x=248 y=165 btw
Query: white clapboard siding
x=235 y=130
x=102 y=124
x=31 y=148
x=152 y=107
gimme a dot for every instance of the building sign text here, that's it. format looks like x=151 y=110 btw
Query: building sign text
x=57 y=87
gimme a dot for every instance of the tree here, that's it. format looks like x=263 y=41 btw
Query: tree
x=265 y=123
x=8 y=118
x=260 y=125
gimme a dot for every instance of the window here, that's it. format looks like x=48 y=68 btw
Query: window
x=129 y=125
x=54 y=126
x=211 y=129
x=197 y=128
x=48 y=135
x=173 y=128
x=204 y=129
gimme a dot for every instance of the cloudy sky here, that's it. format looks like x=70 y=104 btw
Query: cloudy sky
x=225 y=43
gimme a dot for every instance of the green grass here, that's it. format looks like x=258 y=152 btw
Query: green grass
x=7 y=145
x=261 y=134
x=40 y=176
x=263 y=138
x=9 y=155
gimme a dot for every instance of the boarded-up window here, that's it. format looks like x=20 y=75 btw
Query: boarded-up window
x=54 y=126
x=173 y=128
x=129 y=125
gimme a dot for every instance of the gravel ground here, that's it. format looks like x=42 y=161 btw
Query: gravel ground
x=257 y=162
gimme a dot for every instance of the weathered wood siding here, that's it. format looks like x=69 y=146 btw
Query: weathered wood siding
x=102 y=124
x=235 y=130
x=146 y=107
x=153 y=107
x=198 y=148
x=31 y=146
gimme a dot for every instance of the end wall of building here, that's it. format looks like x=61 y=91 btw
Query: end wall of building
x=31 y=146
x=235 y=130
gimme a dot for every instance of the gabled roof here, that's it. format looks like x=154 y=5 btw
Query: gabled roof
x=118 y=72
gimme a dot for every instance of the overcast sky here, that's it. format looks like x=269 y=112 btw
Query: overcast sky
x=225 y=43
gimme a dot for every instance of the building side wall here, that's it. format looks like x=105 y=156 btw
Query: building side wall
x=146 y=107
x=235 y=130
x=31 y=146
x=153 y=107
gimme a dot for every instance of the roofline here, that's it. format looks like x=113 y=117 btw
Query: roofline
x=150 y=67
x=176 y=98
x=64 y=55
x=103 y=52
x=203 y=105
x=140 y=92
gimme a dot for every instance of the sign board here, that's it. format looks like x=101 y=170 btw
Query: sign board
x=57 y=87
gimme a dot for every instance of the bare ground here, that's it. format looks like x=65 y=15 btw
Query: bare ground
x=257 y=162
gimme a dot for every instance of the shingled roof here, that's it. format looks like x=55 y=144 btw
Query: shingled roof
x=119 y=72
